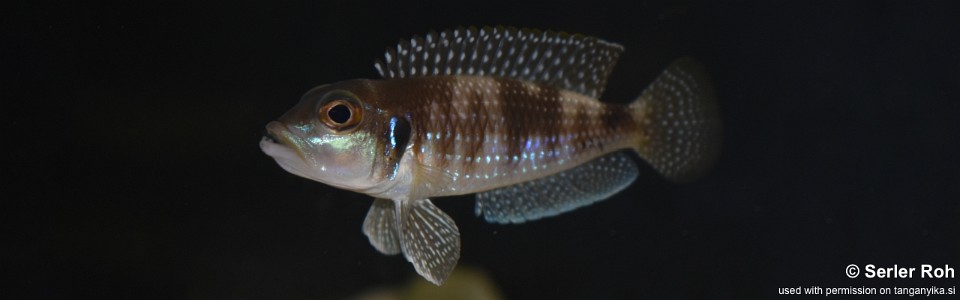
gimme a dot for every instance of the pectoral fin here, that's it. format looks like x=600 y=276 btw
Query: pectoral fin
x=429 y=239
x=562 y=192
x=380 y=226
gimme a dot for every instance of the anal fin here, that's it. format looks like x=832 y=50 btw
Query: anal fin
x=562 y=192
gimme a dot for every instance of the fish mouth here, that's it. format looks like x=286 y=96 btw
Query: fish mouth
x=276 y=133
x=279 y=141
x=267 y=136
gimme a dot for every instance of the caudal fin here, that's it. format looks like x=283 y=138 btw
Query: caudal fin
x=679 y=121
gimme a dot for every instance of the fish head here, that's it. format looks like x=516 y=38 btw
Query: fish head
x=329 y=136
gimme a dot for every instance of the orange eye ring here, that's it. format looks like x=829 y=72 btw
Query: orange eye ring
x=340 y=114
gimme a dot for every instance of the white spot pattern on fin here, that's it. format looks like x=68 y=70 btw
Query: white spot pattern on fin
x=562 y=192
x=430 y=239
x=380 y=227
x=522 y=54
x=680 y=121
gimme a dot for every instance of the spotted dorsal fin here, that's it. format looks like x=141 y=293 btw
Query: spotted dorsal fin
x=566 y=61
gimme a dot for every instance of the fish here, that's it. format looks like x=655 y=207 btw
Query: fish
x=511 y=115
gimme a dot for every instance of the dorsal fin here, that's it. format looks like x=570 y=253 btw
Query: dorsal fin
x=566 y=61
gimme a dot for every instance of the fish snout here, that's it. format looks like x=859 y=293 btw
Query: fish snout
x=274 y=132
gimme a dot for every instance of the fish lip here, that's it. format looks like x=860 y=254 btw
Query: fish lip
x=279 y=139
x=270 y=138
x=281 y=144
x=276 y=133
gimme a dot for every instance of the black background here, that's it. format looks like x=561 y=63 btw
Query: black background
x=131 y=164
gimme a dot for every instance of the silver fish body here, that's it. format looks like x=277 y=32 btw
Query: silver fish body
x=512 y=115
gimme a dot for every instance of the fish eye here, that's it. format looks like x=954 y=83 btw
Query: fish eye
x=340 y=114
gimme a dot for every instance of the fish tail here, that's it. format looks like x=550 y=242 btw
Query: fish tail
x=679 y=123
